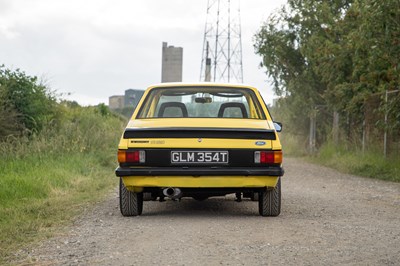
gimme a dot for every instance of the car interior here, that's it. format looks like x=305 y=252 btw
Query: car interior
x=172 y=109
x=234 y=108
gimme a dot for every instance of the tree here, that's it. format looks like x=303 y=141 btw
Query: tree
x=331 y=53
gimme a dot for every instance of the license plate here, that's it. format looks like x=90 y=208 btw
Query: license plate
x=199 y=157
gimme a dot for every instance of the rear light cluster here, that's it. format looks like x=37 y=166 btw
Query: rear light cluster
x=268 y=157
x=128 y=156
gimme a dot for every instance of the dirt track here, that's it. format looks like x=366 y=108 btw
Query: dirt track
x=327 y=218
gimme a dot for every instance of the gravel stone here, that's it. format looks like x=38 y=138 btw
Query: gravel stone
x=327 y=218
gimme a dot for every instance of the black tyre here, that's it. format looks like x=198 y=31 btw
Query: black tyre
x=130 y=203
x=269 y=202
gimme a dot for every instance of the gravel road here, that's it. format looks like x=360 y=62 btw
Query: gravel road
x=327 y=218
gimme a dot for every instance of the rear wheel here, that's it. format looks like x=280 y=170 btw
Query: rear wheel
x=269 y=202
x=130 y=203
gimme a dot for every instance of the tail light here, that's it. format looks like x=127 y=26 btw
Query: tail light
x=128 y=156
x=268 y=157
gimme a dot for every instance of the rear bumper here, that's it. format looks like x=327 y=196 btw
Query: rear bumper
x=199 y=171
x=139 y=179
x=139 y=183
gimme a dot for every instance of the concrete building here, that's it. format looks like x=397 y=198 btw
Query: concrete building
x=171 y=68
x=130 y=99
x=116 y=102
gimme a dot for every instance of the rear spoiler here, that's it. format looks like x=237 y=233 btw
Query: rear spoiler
x=193 y=132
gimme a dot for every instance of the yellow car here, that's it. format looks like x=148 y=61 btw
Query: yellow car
x=200 y=140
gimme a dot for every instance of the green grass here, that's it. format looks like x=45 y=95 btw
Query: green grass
x=40 y=194
x=47 y=179
x=346 y=158
x=369 y=164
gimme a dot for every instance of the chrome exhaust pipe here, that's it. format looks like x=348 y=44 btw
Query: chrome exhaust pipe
x=172 y=193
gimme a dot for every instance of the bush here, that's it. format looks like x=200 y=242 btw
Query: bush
x=77 y=129
x=26 y=102
x=8 y=118
x=54 y=157
x=48 y=175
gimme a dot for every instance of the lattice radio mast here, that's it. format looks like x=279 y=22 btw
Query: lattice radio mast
x=222 y=46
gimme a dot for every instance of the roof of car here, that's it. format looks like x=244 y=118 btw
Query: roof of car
x=208 y=84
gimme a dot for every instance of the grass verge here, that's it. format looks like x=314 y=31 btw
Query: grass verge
x=346 y=159
x=41 y=194
x=47 y=179
x=369 y=164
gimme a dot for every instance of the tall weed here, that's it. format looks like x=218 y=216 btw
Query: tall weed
x=293 y=145
x=46 y=176
x=345 y=157
x=370 y=163
x=81 y=130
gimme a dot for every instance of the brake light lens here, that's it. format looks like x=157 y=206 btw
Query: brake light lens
x=125 y=156
x=268 y=157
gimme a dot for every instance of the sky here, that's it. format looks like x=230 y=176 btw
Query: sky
x=88 y=50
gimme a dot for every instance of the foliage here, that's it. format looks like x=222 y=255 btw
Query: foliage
x=8 y=117
x=331 y=54
x=30 y=104
x=81 y=129
x=54 y=157
x=125 y=112
x=370 y=164
x=46 y=177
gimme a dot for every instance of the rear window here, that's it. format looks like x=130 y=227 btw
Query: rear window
x=201 y=102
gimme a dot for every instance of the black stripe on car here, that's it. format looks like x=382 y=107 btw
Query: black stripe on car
x=212 y=133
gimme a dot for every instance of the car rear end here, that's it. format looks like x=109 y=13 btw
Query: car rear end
x=200 y=156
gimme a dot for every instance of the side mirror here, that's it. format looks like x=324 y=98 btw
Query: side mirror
x=278 y=126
